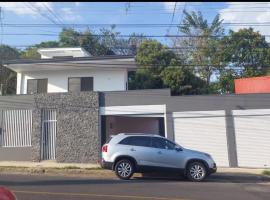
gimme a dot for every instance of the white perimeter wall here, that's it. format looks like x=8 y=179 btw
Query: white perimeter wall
x=252 y=129
x=104 y=80
x=203 y=131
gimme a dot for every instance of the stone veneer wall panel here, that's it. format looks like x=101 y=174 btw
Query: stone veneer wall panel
x=77 y=138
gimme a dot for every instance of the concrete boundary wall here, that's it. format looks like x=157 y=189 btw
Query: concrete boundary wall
x=79 y=120
x=228 y=103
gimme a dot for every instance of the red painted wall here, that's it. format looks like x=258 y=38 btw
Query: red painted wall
x=252 y=85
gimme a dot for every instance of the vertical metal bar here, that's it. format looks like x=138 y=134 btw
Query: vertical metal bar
x=9 y=127
x=30 y=128
x=42 y=134
x=19 y=125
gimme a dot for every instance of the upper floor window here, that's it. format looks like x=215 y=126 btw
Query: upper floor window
x=37 y=86
x=77 y=84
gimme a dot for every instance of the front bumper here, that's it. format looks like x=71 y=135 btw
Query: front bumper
x=213 y=169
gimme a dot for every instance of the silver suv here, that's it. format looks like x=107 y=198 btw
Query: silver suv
x=130 y=153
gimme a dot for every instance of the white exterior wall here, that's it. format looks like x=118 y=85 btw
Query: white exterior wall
x=252 y=129
x=203 y=131
x=104 y=80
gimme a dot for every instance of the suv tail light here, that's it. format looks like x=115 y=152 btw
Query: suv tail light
x=105 y=148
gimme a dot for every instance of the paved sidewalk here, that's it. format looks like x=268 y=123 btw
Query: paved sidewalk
x=47 y=164
x=241 y=170
x=53 y=166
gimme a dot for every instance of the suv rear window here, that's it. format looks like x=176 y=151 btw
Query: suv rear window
x=137 y=141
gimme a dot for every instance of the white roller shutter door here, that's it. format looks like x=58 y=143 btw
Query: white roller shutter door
x=252 y=129
x=203 y=131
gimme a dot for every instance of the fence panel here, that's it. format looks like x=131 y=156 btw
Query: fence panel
x=16 y=128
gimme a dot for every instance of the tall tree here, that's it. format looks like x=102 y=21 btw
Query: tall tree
x=7 y=77
x=244 y=53
x=247 y=51
x=160 y=68
x=202 y=40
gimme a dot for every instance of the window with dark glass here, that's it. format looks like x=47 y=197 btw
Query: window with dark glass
x=37 y=86
x=161 y=143
x=137 y=141
x=78 y=84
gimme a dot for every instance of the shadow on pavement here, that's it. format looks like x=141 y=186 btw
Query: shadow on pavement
x=218 y=177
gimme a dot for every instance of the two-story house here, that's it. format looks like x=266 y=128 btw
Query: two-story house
x=70 y=70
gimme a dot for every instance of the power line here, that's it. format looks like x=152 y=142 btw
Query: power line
x=131 y=36
x=54 y=14
x=37 y=10
x=168 y=31
x=131 y=48
x=132 y=25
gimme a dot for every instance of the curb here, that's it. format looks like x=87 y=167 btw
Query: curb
x=56 y=171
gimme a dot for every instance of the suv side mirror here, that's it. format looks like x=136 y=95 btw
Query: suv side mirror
x=178 y=149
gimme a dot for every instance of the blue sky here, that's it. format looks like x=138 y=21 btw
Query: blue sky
x=114 y=13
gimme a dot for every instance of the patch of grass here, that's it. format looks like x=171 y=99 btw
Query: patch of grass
x=71 y=167
x=266 y=172
x=94 y=168
x=13 y=167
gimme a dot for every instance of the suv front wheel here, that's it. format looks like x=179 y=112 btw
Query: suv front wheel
x=196 y=171
x=124 y=169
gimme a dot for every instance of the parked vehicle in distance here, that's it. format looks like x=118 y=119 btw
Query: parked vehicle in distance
x=129 y=153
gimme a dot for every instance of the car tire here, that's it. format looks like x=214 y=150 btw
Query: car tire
x=196 y=171
x=124 y=169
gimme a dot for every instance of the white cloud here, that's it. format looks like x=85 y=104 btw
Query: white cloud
x=68 y=15
x=169 y=6
x=77 y=3
x=237 y=13
x=24 y=8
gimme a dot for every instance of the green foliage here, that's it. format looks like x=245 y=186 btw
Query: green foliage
x=31 y=52
x=266 y=172
x=7 y=77
x=69 y=38
x=153 y=56
x=226 y=81
x=202 y=56
x=248 y=50
x=161 y=68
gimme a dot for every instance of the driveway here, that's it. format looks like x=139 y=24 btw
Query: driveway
x=218 y=186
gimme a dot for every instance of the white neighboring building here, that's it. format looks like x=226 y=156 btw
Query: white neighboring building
x=71 y=69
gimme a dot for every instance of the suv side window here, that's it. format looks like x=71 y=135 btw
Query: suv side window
x=137 y=141
x=162 y=143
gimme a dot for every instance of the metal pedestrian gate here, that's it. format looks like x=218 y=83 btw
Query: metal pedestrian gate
x=49 y=129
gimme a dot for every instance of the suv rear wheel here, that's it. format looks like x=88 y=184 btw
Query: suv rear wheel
x=196 y=171
x=124 y=169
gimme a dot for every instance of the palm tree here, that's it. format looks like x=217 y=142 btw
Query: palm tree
x=202 y=39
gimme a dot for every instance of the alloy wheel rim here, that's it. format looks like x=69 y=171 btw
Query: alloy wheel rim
x=197 y=172
x=124 y=169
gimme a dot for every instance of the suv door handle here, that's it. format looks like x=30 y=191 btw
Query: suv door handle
x=159 y=152
x=132 y=149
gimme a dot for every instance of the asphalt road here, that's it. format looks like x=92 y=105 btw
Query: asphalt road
x=217 y=187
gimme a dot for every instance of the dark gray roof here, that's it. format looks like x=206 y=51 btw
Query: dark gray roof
x=64 y=59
